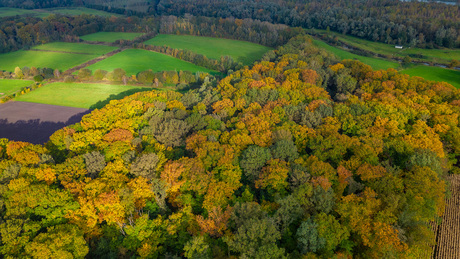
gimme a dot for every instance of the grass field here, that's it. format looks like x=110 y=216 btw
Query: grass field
x=6 y=11
x=79 y=10
x=375 y=63
x=9 y=86
x=110 y=36
x=62 y=61
x=79 y=95
x=245 y=52
x=435 y=74
x=429 y=55
x=76 y=48
x=134 y=61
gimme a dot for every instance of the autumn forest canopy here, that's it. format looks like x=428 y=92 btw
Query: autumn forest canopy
x=298 y=155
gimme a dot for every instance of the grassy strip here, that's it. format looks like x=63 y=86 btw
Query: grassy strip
x=10 y=86
x=375 y=63
x=241 y=51
x=435 y=74
x=134 y=61
x=76 y=47
x=62 y=61
x=110 y=36
x=79 y=95
x=443 y=56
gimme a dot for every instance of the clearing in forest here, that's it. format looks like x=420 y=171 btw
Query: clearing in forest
x=9 y=86
x=110 y=36
x=442 y=55
x=375 y=63
x=6 y=11
x=22 y=58
x=435 y=74
x=134 y=61
x=79 y=95
x=75 y=48
x=241 y=51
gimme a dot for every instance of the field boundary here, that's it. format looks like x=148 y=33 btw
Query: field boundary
x=57 y=51
x=93 y=61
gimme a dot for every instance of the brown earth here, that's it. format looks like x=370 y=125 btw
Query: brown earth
x=35 y=123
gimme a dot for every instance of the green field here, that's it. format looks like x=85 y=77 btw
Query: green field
x=134 y=61
x=375 y=63
x=6 y=11
x=9 y=86
x=62 y=61
x=79 y=11
x=435 y=74
x=79 y=95
x=110 y=36
x=443 y=56
x=76 y=48
x=242 y=51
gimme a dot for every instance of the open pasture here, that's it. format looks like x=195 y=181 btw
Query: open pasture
x=9 y=86
x=442 y=55
x=375 y=63
x=22 y=58
x=69 y=11
x=134 y=61
x=435 y=74
x=75 y=48
x=243 y=51
x=110 y=36
x=78 y=95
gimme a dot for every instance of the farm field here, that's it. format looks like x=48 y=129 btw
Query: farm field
x=75 y=48
x=134 y=61
x=6 y=11
x=78 y=11
x=62 y=61
x=78 y=95
x=245 y=52
x=435 y=74
x=375 y=63
x=110 y=36
x=9 y=86
x=443 y=56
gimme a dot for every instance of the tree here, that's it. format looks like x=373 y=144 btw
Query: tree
x=95 y=162
x=145 y=165
x=18 y=73
x=84 y=74
x=253 y=159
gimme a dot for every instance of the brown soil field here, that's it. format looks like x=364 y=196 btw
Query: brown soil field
x=35 y=123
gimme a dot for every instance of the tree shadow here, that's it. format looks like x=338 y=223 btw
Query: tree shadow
x=119 y=96
x=34 y=131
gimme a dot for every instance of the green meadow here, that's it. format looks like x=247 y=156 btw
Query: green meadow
x=22 y=58
x=429 y=55
x=78 y=95
x=375 y=63
x=243 y=51
x=9 y=86
x=6 y=11
x=110 y=36
x=134 y=61
x=435 y=74
x=76 y=48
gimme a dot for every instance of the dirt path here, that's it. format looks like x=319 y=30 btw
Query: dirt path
x=71 y=70
x=448 y=233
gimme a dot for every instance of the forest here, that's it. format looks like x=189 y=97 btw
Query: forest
x=298 y=155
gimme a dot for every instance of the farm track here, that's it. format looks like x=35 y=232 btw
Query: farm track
x=448 y=233
x=93 y=61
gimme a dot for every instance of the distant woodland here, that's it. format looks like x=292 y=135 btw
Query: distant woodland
x=389 y=21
